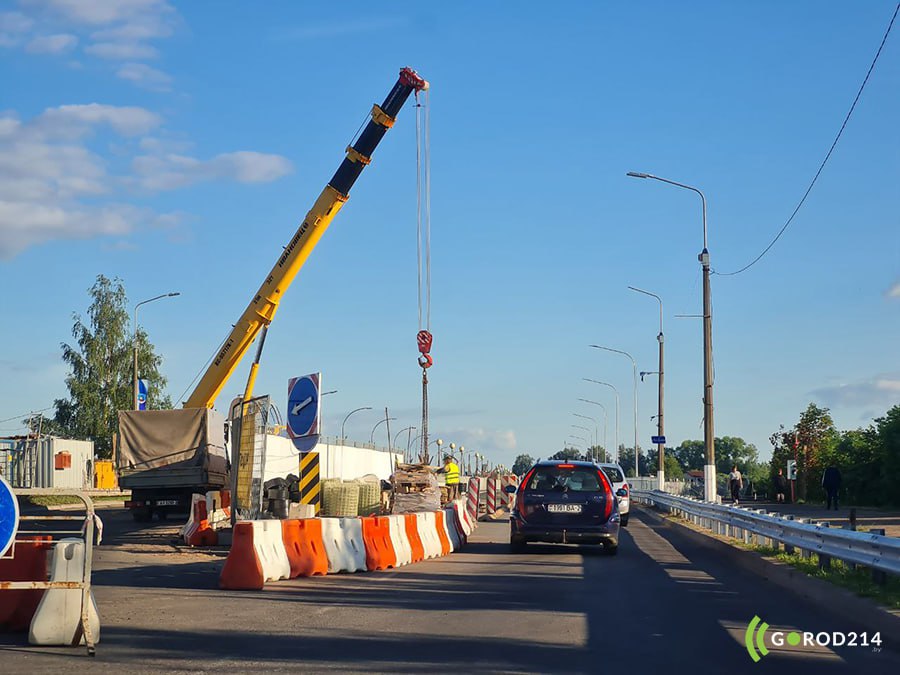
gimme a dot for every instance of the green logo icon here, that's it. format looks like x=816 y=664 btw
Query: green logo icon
x=760 y=639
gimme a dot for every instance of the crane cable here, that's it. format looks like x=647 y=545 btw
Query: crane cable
x=423 y=256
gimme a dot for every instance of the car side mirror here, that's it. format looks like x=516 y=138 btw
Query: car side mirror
x=510 y=489
x=621 y=492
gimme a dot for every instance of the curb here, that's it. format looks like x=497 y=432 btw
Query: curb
x=819 y=592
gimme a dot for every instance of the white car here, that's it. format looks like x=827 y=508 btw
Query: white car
x=617 y=478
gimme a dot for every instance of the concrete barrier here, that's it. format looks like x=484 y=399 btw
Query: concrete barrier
x=57 y=620
x=344 y=544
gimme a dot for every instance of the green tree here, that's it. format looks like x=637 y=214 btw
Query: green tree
x=731 y=450
x=673 y=468
x=100 y=369
x=522 y=464
x=647 y=463
x=691 y=455
x=567 y=454
x=886 y=434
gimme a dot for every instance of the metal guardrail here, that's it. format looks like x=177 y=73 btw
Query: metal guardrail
x=86 y=532
x=874 y=551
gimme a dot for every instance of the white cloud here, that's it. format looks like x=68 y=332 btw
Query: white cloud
x=117 y=30
x=118 y=51
x=145 y=76
x=52 y=44
x=894 y=291
x=486 y=439
x=13 y=25
x=54 y=185
x=171 y=171
x=880 y=391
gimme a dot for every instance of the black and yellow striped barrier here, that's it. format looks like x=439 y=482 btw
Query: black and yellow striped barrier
x=309 y=479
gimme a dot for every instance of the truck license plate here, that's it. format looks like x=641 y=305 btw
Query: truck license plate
x=167 y=502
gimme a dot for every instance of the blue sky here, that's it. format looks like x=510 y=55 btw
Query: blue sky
x=178 y=145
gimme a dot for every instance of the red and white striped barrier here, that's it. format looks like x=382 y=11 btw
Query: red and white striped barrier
x=472 y=498
x=492 y=482
x=510 y=498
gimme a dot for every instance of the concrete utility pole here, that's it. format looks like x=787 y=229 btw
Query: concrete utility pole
x=709 y=437
x=660 y=424
x=134 y=345
x=637 y=452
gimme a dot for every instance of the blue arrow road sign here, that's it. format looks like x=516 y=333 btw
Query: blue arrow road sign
x=303 y=406
x=658 y=440
x=9 y=516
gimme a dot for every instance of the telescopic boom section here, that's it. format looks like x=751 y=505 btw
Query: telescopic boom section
x=261 y=310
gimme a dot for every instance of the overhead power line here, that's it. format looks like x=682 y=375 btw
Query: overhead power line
x=827 y=156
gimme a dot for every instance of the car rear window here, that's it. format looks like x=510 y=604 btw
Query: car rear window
x=613 y=473
x=557 y=479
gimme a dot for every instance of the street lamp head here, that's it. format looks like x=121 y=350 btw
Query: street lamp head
x=638 y=174
x=172 y=295
x=453 y=446
x=440 y=442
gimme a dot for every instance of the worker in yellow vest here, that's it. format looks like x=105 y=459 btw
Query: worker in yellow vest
x=451 y=469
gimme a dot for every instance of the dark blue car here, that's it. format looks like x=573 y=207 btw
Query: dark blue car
x=565 y=503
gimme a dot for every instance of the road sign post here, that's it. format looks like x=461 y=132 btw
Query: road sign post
x=303 y=410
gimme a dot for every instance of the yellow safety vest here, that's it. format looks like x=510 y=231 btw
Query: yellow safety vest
x=452 y=471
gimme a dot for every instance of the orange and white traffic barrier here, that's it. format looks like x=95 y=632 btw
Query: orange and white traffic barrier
x=380 y=554
x=428 y=533
x=304 y=547
x=399 y=539
x=509 y=498
x=344 y=544
x=411 y=523
x=447 y=531
x=257 y=555
x=199 y=532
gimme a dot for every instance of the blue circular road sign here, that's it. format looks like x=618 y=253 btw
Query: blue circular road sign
x=9 y=516
x=303 y=406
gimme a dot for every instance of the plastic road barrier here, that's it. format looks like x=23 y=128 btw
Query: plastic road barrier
x=380 y=553
x=57 y=620
x=428 y=534
x=344 y=544
x=492 y=494
x=243 y=569
x=191 y=525
x=472 y=495
x=402 y=548
x=415 y=541
x=454 y=533
x=17 y=607
x=443 y=531
x=305 y=548
x=200 y=533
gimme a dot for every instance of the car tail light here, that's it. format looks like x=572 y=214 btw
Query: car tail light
x=610 y=496
x=625 y=487
x=520 y=502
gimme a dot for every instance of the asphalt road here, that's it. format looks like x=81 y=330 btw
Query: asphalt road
x=662 y=604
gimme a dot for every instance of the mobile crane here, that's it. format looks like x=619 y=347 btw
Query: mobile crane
x=163 y=477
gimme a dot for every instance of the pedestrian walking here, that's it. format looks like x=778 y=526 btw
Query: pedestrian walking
x=736 y=482
x=831 y=482
x=780 y=486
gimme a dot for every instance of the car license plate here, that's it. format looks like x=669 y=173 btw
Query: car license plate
x=564 y=508
x=167 y=502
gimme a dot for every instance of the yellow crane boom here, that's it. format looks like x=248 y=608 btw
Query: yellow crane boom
x=262 y=307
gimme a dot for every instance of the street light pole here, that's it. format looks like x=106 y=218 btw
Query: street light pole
x=602 y=407
x=587 y=429
x=134 y=344
x=616 y=391
x=709 y=437
x=660 y=424
x=348 y=417
x=637 y=451
x=596 y=428
x=380 y=422
x=397 y=435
